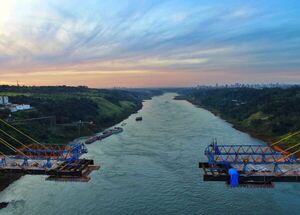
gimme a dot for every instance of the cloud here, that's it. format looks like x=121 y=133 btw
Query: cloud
x=241 y=13
x=55 y=37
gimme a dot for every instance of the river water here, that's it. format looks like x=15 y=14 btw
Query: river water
x=152 y=168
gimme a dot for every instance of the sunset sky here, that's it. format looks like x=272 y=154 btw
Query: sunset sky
x=149 y=43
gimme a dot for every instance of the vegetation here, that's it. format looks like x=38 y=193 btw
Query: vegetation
x=61 y=114
x=269 y=113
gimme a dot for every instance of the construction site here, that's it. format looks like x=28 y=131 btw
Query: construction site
x=61 y=162
x=237 y=165
x=251 y=165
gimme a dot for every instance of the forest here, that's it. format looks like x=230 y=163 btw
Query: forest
x=269 y=113
x=61 y=114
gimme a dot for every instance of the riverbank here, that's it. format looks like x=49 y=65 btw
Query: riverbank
x=61 y=114
x=266 y=138
x=7 y=179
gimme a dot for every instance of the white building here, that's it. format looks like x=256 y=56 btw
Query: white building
x=15 y=108
x=4 y=100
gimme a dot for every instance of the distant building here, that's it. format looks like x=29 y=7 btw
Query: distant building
x=15 y=107
x=4 y=100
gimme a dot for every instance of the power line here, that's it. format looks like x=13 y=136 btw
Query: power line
x=35 y=141
x=14 y=138
x=285 y=138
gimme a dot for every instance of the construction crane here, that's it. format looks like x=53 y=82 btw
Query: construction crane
x=59 y=162
x=251 y=165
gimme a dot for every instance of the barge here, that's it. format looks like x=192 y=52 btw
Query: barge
x=104 y=134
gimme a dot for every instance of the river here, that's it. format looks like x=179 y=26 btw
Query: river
x=152 y=168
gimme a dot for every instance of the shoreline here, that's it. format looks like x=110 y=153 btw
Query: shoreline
x=268 y=140
x=7 y=179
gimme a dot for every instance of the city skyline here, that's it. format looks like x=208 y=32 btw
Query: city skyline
x=149 y=43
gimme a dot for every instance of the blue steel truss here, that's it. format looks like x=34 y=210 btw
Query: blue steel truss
x=67 y=153
x=62 y=152
x=246 y=154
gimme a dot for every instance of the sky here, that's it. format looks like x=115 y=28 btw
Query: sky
x=149 y=43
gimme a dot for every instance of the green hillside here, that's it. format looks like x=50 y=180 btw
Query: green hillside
x=269 y=113
x=63 y=113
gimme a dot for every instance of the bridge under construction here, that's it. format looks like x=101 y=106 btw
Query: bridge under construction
x=251 y=165
x=58 y=162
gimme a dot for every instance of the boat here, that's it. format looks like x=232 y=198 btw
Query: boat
x=116 y=130
x=104 y=134
x=91 y=140
x=139 y=118
x=110 y=132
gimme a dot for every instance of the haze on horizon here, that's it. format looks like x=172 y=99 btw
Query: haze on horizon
x=153 y=43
